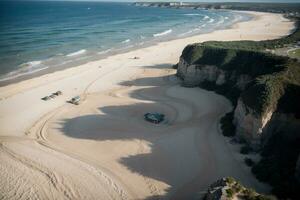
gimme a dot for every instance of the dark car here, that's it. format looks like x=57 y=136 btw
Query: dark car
x=57 y=93
x=155 y=118
x=46 y=98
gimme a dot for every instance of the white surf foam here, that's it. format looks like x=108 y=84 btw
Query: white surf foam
x=192 y=14
x=103 y=52
x=20 y=72
x=126 y=41
x=31 y=64
x=163 y=33
x=189 y=32
x=76 y=53
x=211 y=21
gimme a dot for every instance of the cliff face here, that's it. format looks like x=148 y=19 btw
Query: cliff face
x=193 y=75
x=228 y=188
x=254 y=81
x=265 y=92
x=249 y=126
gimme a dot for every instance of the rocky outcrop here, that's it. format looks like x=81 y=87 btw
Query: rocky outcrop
x=249 y=125
x=193 y=75
x=217 y=190
x=228 y=188
x=256 y=83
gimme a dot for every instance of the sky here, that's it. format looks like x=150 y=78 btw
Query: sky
x=281 y=1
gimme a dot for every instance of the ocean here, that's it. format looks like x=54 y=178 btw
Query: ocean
x=35 y=36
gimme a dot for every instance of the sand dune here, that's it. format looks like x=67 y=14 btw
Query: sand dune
x=103 y=148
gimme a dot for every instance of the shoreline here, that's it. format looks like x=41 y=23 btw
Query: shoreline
x=115 y=148
x=49 y=70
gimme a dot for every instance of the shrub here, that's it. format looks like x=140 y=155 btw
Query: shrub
x=249 y=162
x=250 y=194
x=227 y=126
x=230 y=180
x=277 y=166
x=246 y=149
x=229 y=193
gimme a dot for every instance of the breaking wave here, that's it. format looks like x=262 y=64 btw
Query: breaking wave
x=76 y=53
x=163 y=33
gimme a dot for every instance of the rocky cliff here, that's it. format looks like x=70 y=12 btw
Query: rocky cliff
x=228 y=188
x=265 y=92
x=255 y=82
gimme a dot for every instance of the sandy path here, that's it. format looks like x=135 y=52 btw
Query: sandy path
x=103 y=148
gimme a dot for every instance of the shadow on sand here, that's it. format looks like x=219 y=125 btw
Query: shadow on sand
x=126 y=122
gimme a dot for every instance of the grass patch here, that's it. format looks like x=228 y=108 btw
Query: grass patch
x=294 y=53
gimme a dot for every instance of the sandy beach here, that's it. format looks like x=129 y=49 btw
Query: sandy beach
x=103 y=148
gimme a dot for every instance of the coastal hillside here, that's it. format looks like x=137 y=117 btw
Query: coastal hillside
x=264 y=89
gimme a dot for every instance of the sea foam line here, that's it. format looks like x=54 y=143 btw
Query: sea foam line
x=126 y=41
x=17 y=73
x=103 y=52
x=192 y=14
x=31 y=64
x=211 y=21
x=162 y=33
x=76 y=53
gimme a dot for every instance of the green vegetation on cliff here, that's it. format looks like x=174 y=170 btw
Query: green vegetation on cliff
x=270 y=74
x=229 y=188
x=278 y=163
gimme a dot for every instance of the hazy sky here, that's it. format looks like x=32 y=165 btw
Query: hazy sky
x=282 y=1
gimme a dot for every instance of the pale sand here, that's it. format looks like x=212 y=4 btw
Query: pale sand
x=103 y=148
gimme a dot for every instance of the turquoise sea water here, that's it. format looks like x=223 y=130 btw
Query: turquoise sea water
x=35 y=36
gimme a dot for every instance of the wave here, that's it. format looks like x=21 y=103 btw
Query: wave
x=125 y=41
x=221 y=21
x=192 y=14
x=103 y=52
x=76 y=53
x=211 y=20
x=226 y=18
x=206 y=17
x=162 y=33
x=189 y=32
x=31 y=64
x=20 y=72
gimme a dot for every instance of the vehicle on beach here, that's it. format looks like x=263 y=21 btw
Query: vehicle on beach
x=155 y=118
x=75 y=100
x=52 y=96
x=46 y=98
x=57 y=93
